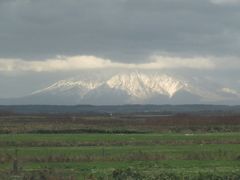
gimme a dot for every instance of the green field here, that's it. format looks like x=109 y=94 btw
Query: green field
x=120 y=156
x=128 y=146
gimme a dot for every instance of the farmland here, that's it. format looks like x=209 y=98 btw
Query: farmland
x=75 y=146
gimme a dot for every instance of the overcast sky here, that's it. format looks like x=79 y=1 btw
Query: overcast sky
x=43 y=40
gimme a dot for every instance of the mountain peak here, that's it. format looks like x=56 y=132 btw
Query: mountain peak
x=135 y=87
x=144 y=85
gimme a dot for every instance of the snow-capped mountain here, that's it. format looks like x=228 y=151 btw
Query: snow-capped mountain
x=65 y=87
x=131 y=88
x=143 y=86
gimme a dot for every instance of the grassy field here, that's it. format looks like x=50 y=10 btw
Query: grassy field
x=42 y=147
x=89 y=156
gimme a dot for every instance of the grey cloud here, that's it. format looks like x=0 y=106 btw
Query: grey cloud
x=123 y=30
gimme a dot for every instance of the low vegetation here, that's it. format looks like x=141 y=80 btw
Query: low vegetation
x=120 y=147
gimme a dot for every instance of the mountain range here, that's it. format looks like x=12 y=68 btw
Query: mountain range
x=131 y=87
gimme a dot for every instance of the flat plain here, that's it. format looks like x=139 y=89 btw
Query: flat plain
x=119 y=147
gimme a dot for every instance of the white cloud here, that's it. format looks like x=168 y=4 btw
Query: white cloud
x=58 y=64
x=230 y=91
x=64 y=63
x=177 y=62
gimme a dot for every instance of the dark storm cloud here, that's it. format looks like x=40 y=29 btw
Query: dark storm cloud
x=126 y=30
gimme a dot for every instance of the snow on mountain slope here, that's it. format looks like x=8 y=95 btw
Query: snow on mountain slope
x=142 y=85
x=137 y=87
x=70 y=86
x=135 y=84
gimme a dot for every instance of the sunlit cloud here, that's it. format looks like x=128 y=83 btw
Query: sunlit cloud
x=64 y=63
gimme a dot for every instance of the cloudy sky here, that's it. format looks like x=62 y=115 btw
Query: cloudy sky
x=43 y=41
